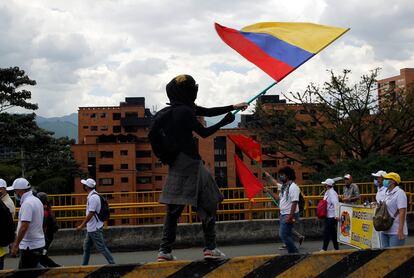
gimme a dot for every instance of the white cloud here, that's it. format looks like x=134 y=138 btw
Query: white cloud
x=90 y=53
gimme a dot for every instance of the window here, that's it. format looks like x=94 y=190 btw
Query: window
x=131 y=114
x=103 y=115
x=94 y=128
x=131 y=129
x=91 y=154
x=158 y=178
x=85 y=127
x=107 y=154
x=220 y=164
x=116 y=116
x=268 y=150
x=143 y=153
x=93 y=115
x=106 y=168
x=124 y=152
x=124 y=166
x=124 y=179
x=268 y=163
x=290 y=161
x=144 y=180
x=158 y=165
x=143 y=166
x=116 y=129
x=104 y=128
x=125 y=221
x=106 y=181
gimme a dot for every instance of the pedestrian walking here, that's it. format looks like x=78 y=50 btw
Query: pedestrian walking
x=7 y=209
x=188 y=181
x=94 y=226
x=396 y=201
x=351 y=191
x=50 y=227
x=331 y=220
x=30 y=240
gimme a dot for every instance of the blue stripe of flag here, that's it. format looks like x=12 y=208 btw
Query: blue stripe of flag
x=278 y=49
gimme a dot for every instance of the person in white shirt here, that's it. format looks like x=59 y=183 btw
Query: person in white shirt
x=289 y=207
x=331 y=220
x=94 y=226
x=30 y=239
x=8 y=202
x=396 y=201
x=378 y=182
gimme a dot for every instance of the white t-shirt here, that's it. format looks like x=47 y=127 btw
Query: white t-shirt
x=331 y=197
x=285 y=202
x=31 y=210
x=395 y=200
x=380 y=194
x=93 y=204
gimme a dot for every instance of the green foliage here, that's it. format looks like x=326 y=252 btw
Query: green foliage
x=56 y=185
x=11 y=79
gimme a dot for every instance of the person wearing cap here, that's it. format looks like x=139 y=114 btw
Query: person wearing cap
x=378 y=182
x=50 y=227
x=396 y=201
x=30 y=239
x=8 y=202
x=188 y=181
x=351 y=191
x=331 y=220
x=94 y=227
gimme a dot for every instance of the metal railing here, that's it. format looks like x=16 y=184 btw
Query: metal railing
x=141 y=208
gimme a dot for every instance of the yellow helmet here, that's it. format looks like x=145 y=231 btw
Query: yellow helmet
x=393 y=176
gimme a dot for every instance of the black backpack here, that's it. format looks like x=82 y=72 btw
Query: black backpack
x=104 y=213
x=8 y=230
x=162 y=136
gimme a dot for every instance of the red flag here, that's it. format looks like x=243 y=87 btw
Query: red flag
x=251 y=184
x=248 y=146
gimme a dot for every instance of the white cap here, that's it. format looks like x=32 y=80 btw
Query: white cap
x=329 y=182
x=348 y=177
x=20 y=183
x=3 y=183
x=380 y=173
x=89 y=183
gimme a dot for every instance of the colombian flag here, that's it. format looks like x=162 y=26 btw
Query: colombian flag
x=278 y=48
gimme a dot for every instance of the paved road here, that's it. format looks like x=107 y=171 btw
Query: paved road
x=188 y=254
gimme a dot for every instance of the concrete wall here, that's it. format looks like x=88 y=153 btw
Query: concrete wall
x=135 y=238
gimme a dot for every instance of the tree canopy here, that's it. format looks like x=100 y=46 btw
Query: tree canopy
x=339 y=121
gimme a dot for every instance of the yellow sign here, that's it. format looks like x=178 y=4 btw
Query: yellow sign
x=356 y=227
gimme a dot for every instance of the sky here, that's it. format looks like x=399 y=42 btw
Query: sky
x=96 y=53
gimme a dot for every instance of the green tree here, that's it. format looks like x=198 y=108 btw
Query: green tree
x=11 y=80
x=338 y=121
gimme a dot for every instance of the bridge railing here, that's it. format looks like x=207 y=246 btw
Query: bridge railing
x=142 y=208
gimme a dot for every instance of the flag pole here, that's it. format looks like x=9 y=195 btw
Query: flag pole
x=256 y=96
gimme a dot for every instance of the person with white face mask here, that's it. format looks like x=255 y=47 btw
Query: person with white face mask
x=378 y=182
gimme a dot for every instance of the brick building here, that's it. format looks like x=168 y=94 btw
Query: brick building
x=399 y=82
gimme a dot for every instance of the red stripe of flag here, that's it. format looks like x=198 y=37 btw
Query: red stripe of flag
x=248 y=146
x=273 y=67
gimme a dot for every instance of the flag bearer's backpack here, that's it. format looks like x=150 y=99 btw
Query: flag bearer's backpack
x=162 y=136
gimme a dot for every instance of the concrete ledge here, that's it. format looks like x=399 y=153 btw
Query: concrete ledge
x=136 y=238
x=397 y=262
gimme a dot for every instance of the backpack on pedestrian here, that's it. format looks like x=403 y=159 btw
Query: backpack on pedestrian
x=322 y=209
x=104 y=213
x=162 y=136
x=301 y=203
x=382 y=219
x=8 y=230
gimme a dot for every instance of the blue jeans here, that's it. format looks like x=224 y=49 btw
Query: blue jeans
x=391 y=240
x=97 y=238
x=285 y=233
